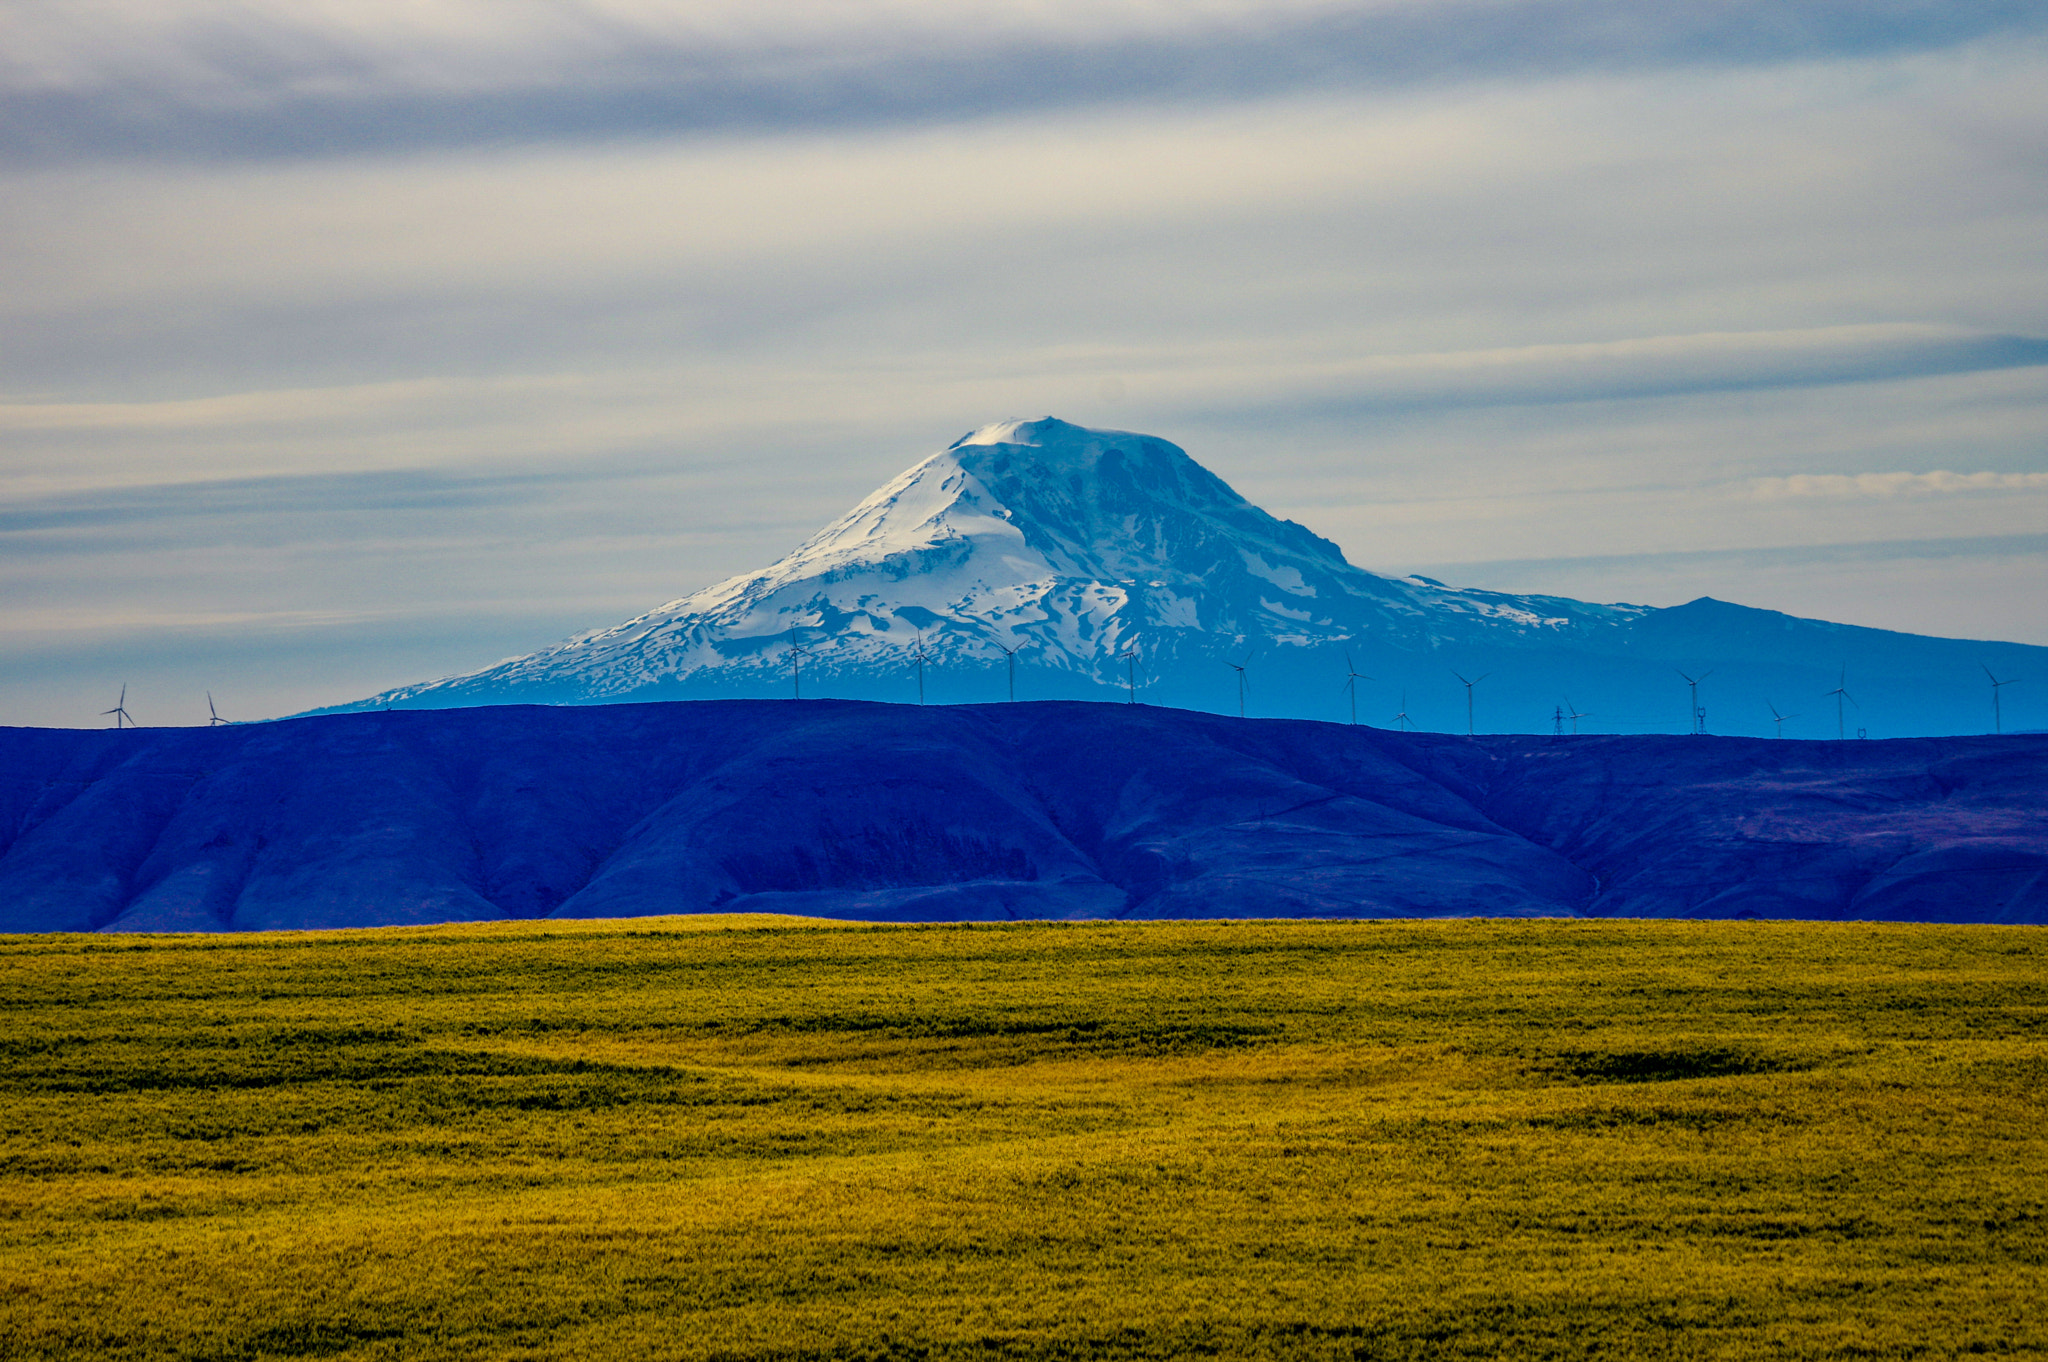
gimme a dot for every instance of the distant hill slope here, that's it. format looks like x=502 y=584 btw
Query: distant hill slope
x=1074 y=562
x=1056 y=809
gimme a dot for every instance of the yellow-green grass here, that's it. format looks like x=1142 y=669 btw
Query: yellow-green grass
x=760 y=1138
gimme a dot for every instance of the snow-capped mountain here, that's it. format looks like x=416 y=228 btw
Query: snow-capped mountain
x=1077 y=562
x=1071 y=547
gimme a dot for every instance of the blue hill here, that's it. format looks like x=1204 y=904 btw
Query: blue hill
x=1051 y=809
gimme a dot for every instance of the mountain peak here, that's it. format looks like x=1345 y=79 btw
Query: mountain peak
x=1058 y=441
x=1020 y=432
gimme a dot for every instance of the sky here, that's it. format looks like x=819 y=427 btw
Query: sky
x=351 y=343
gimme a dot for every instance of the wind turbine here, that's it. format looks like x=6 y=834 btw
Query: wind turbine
x=1699 y=716
x=1239 y=667
x=1402 y=720
x=1011 y=654
x=213 y=715
x=1841 y=693
x=797 y=653
x=1468 y=697
x=1130 y=658
x=1352 y=676
x=1777 y=718
x=120 y=710
x=1575 y=715
x=1997 y=717
x=919 y=655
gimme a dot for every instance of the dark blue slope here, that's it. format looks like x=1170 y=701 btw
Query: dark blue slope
x=839 y=808
x=1919 y=829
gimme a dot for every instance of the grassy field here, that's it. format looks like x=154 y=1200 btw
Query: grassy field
x=748 y=1138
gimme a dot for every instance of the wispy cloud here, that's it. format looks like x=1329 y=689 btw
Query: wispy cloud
x=158 y=507
x=1657 y=366
x=1865 y=552
x=1243 y=382
x=1938 y=483
x=273 y=80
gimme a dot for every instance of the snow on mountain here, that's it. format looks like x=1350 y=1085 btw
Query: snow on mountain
x=1073 y=547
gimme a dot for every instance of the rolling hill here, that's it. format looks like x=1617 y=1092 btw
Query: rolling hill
x=988 y=812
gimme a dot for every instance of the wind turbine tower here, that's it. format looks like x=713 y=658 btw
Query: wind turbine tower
x=1699 y=716
x=1997 y=717
x=920 y=666
x=1468 y=696
x=1352 y=676
x=1841 y=693
x=1575 y=715
x=1011 y=655
x=1777 y=718
x=797 y=653
x=1242 y=683
x=212 y=715
x=1401 y=720
x=120 y=710
x=1130 y=657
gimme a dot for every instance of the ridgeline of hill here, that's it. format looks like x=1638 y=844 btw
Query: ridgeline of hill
x=734 y=1139
x=990 y=812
